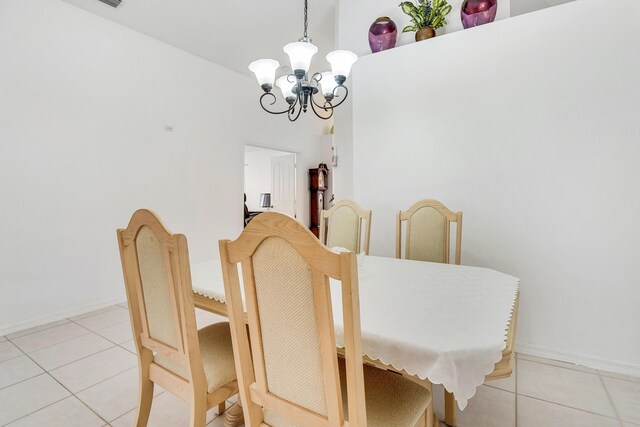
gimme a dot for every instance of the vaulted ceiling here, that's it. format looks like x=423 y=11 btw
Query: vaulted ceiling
x=231 y=33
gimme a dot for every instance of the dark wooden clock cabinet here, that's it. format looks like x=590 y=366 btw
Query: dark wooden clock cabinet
x=317 y=186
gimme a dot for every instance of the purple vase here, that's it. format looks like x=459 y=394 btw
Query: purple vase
x=478 y=12
x=382 y=34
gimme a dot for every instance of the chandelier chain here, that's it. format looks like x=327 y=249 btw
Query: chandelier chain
x=306 y=23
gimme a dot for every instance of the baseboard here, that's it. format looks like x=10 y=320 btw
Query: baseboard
x=32 y=323
x=589 y=361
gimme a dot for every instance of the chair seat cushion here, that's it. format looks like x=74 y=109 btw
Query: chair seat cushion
x=217 y=357
x=391 y=399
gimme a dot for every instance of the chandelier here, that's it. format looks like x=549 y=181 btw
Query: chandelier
x=297 y=88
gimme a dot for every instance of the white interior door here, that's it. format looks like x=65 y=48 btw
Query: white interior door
x=283 y=184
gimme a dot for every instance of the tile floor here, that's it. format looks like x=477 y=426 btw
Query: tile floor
x=82 y=372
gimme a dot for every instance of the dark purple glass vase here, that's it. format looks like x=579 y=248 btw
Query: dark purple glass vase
x=478 y=12
x=382 y=34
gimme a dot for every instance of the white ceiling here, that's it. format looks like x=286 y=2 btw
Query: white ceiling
x=231 y=33
x=520 y=7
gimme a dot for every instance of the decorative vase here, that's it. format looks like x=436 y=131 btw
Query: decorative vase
x=478 y=12
x=425 y=33
x=382 y=34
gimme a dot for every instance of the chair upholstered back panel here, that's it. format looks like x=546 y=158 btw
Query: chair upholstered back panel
x=342 y=226
x=288 y=320
x=158 y=281
x=157 y=287
x=289 y=375
x=427 y=235
x=344 y=229
x=428 y=229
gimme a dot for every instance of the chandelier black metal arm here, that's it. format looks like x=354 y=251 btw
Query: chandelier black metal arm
x=274 y=101
x=304 y=91
x=335 y=95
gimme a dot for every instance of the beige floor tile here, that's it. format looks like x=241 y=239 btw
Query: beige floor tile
x=17 y=369
x=625 y=396
x=118 y=333
x=576 y=389
x=629 y=424
x=48 y=337
x=8 y=351
x=556 y=363
x=123 y=305
x=69 y=412
x=536 y=413
x=28 y=396
x=490 y=407
x=105 y=319
x=130 y=346
x=91 y=370
x=37 y=329
x=94 y=313
x=2 y=338
x=70 y=351
x=507 y=384
x=166 y=411
x=620 y=376
x=114 y=397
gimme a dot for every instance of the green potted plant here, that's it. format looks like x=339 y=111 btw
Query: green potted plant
x=426 y=17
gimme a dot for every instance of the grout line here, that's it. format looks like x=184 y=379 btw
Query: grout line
x=615 y=410
x=70 y=392
x=570 y=407
x=44 y=327
x=82 y=358
x=115 y=324
x=49 y=346
x=39 y=409
x=561 y=367
x=61 y=385
x=73 y=361
x=26 y=379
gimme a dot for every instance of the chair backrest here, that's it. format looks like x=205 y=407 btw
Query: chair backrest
x=156 y=271
x=342 y=226
x=289 y=375
x=428 y=232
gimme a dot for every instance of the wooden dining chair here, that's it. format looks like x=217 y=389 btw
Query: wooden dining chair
x=197 y=366
x=342 y=226
x=428 y=232
x=288 y=369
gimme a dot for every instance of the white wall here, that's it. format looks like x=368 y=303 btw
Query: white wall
x=84 y=103
x=534 y=135
x=356 y=16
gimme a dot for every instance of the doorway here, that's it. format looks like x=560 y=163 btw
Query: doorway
x=270 y=180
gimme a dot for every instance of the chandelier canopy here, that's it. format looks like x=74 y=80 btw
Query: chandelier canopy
x=297 y=88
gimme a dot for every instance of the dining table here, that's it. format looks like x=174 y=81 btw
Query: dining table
x=433 y=323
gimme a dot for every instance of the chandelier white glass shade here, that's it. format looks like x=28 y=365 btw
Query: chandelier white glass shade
x=265 y=71
x=300 y=54
x=298 y=89
x=341 y=62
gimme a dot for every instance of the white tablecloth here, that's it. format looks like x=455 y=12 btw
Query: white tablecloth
x=441 y=322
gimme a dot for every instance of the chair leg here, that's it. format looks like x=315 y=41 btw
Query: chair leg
x=199 y=410
x=430 y=416
x=221 y=408
x=145 y=398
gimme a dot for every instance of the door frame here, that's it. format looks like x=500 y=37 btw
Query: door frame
x=295 y=170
